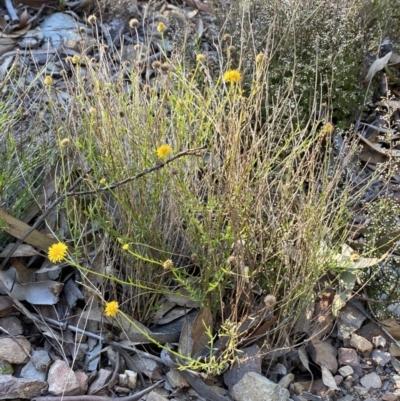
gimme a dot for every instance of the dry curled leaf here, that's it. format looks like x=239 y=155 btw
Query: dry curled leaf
x=378 y=65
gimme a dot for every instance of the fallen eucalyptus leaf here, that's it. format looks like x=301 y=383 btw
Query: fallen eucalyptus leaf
x=327 y=378
x=37 y=293
x=377 y=66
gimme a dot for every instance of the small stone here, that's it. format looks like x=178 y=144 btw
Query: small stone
x=62 y=380
x=6 y=305
x=381 y=357
x=347 y=397
x=122 y=390
x=12 y=388
x=148 y=367
x=348 y=356
x=16 y=351
x=102 y=378
x=360 y=390
x=394 y=350
x=362 y=345
x=324 y=353
x=371 y=380
x=41 y=360
x=30 y=372
x=395 y=364
x=396 y=379
x=83 y=380
x=254 y=387
x=338 y=379
x=154 y=396
x=286 y=380
x=12 y=324
x=176 y=379
x=128 y=379
x=389 y=397
x=349 y=320
x=379 y=341
x=250 y=361
x=346 y=370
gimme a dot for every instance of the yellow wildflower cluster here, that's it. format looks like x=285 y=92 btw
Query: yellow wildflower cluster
x=164 y=151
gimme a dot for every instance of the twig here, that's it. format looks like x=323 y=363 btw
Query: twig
x=133 y=397
x=11 y=11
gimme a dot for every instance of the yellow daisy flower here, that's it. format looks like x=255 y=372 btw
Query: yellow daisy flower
x=164 y=151
x=112 y=308
x=57 y=252
x=232 y=76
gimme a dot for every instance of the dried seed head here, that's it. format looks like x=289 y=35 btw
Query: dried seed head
x=156 y=65
x=64 y=142
x=200 y=58
x=91 y=19
x=226 y=37
x=230 y=49
x=92 y=111
x=259 y=58
x=232 y=260
x=165 y=67
x=270 y=301
x=137 y=47
x=133 y=23
x=75 y=59
x=126 y=63
x=82 y=29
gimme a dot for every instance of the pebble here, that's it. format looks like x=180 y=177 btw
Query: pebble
x=380 y=357
x=371 y=380
x=346 y=370
x=379 y=342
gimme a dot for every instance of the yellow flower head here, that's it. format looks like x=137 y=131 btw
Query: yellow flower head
x=57 y=252
x=200 y=58
x=168 y=264
x=161 y=27
x=328 y=129
x=102 y=181
x=232 y=76
x=112 y=308
x=48 y=80
x=164 y=151
x=125 y=247
x=259 y=58
x=76 y=59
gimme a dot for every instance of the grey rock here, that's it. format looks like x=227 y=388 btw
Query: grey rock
x=395 y=364
x=286 y=380
x=154 y=396
x=12 y=324
x=12 y=388
x=176 y=379
x=41 y=360
x=381 y=357
x=348 y=356
x=379 y=342
x=254 y=387
x=101 y=380
x=362 y=345
x=347 y=397
x=148 y=367
x=394 y=350
x=15 y=350
x=349 y=320
x=396 y=379
x=324 y=353
x=128 y=379
x=346 y=370
x=360 y=390
x=62 y=380
x=250 y=362
x=371 y=380
x=30 y=372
